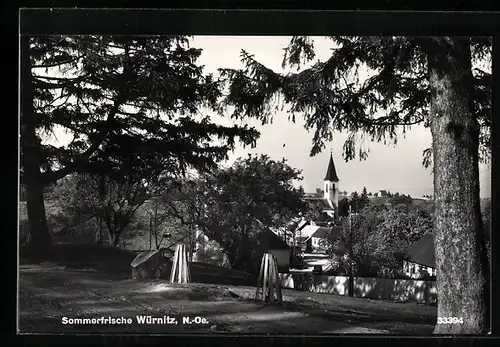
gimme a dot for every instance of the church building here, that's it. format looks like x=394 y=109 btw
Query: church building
x=310 y=234
x=331 y=190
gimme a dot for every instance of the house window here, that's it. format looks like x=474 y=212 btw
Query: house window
x=326 y=188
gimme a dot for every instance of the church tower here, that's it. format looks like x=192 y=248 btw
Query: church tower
x=331 y=186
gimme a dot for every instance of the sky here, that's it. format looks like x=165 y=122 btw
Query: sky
x=392 y=168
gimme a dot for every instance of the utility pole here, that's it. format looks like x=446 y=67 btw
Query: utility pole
x=351 y=280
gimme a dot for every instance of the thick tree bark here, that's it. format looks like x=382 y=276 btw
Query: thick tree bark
x=115 y=236
x=102 y=198
x=39 y=239
x=101 y=234
x=461 y=258
x=150 y=233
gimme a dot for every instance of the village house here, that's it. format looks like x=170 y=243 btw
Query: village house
x=311 y=233
x=311 y=237
x=419 y=260
x=330 y=199
x=269 y=242
x=333 y=206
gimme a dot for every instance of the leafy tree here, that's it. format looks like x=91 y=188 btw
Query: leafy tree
x=355 y=202
x=157 y=215
x=363 y=199
x=184 y=203
x=365 y=241
x=378 y=235
x=401 y=200
x=404 y=227
x=63 y=217
x=131 y=105
x=232 y=205
x=112 y=203
x=434 y=81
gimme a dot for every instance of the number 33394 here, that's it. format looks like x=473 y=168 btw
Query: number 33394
x=450 y=320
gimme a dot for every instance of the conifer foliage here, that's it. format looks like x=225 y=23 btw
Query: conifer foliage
x=439 y=82
x=130 y=104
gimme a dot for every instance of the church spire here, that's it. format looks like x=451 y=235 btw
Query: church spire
x=331 y=174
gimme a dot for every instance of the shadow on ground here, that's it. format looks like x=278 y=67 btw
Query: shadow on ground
x=80 y=286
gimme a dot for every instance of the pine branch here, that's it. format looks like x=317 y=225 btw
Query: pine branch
x=58 y=63
x=96 y=141
x=63 y=82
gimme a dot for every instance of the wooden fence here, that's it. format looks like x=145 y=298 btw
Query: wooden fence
x=403 y=290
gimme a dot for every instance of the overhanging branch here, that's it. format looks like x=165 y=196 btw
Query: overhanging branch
x=53 y=176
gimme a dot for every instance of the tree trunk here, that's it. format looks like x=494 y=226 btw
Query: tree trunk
x=101 y=234
x=150 y=233
x=116 y=240
x=39 y=240
x=115 y=234
x=114 y=237
x=111 y=231
x=231 y=258
x=155 y=233
x=102 y=198
x=462 y=265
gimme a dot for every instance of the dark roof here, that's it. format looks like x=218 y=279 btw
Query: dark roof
x=422 y=251
x=323 y=202
x=145 y=256
x=267 y=240
x=331 y=174
x=322 y=232
x=302 y=224
x=323 y=223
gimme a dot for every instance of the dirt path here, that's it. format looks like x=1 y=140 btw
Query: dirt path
x=49 y=292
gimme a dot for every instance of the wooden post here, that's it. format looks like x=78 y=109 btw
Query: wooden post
x=180 y=266
x=174 y=267
x=269 y=280
x=350 y=288
x=272 y=277
x=186 y=274
x=260 y=280
x=278 y=281
x=265 y=282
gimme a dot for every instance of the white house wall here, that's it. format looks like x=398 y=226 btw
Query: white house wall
x=412 y=270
